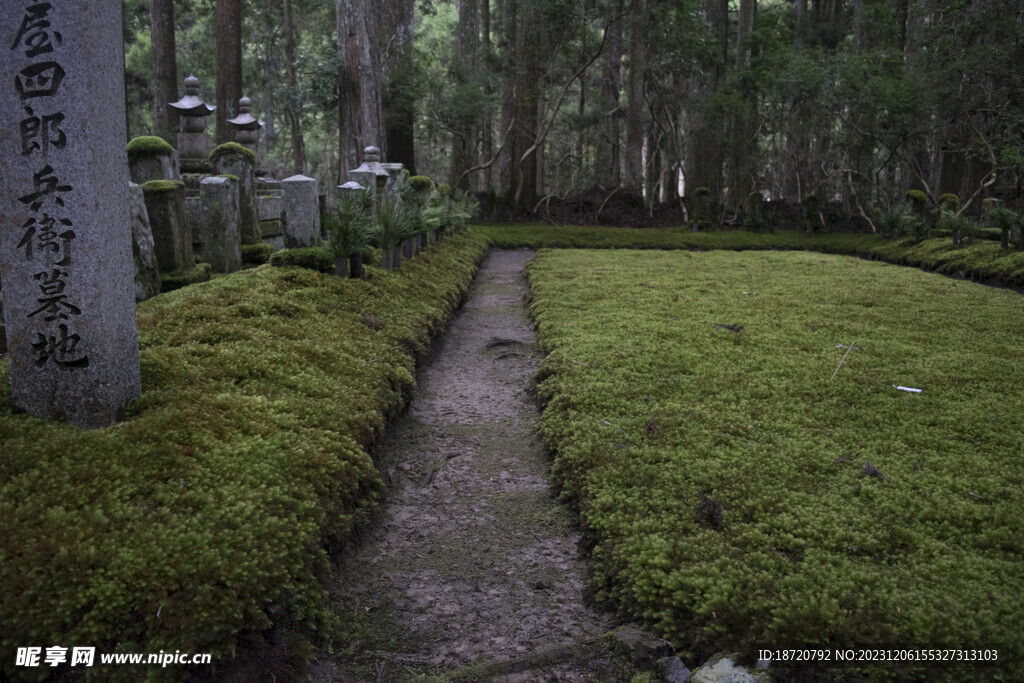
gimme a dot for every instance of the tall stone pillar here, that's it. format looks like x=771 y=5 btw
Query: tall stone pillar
x=66 y=241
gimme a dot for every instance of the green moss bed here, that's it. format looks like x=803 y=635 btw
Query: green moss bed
x=736 y=497
x=207 y=518
x=983 y=261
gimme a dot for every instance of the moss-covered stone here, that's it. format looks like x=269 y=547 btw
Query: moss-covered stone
x=232 y=148
x=257 y=253
x=949 y=201
x=315 y=258
x=228 y=176
x=156 y=186
x=182 y=278
x=421 y=183
x=148 y=145
x=917 y=200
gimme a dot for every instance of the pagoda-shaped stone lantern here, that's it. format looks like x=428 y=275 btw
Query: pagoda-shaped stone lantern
x=246 y=127
x=194 y=144
x=371 y=173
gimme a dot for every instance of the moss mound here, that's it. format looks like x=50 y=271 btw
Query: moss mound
x=232 y=148
x=148 y=145
x=154 y=186
x=257 y=253
x=208 y=516
x=182 y=278
x=314 y=258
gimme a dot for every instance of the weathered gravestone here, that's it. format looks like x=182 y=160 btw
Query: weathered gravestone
x=300 y=211
x=66 y=244
x=235 y=160
x=147 y=276
x=151 y=158
x=172 y=235
x=217 y=231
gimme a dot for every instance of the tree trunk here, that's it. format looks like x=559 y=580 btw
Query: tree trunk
x=229 y=65
x=486 y=137
x=165 y=69
x=507 y=175
x=467 y=42
x=633 y=176
x=704 y=154
x=398 y=106
x=607 y=163
x=298 y=144
x=528 y=73
x=359 y=117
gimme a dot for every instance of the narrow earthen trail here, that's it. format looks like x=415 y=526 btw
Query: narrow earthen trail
x=472 y=560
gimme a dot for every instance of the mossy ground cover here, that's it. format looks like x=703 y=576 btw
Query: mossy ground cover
x=211 y=511
x=983 y=261
x=673 y=376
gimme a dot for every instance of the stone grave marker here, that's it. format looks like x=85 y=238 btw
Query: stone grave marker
x=66 y=243
x=300 y=211
x=217 y=232
x=233 y=159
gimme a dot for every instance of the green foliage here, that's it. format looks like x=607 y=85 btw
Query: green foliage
x=232 y=148
x=157 y=186
x=1006 y=220
x=983 y=261
x=917 y=200
x=148 y=145
x=949 y=201
x=206 y=518
x=421 y=184
x=257 y=253
x=709 y=375
x=951 y=221
x=445 y=190
x=396 y=222
x=812 y=220
x=349 y=225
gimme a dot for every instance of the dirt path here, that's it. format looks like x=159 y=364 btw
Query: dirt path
x=472 y=561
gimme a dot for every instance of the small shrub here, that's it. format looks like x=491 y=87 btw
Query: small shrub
x=348 y=225
x=421 y=184
x=1006 y=220
x=917 y=200
x=396 y=222
x=956 y=224
x=949 y=201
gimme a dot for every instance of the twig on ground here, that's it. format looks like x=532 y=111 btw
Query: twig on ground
x=841 y=362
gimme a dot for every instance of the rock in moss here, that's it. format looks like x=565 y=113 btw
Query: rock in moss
x=257 y=253
x=182 y=278
x=315 y=258
x=162 y=185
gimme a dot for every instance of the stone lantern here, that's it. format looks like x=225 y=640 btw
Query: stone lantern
x=246 y=127
x=371 y=173
x=194 y=144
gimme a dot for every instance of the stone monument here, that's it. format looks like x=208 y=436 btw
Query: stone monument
x=66 y=243
x=371 y=173
x=217 y=232
x=233 y=159
x=301 y=211
x=246 y=127
x=194 y=144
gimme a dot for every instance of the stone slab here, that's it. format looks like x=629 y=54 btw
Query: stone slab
x=300 y=211
x=147 y=275
x=66 y=241
x=216 y=239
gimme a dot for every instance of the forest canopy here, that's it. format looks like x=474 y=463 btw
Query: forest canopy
x=853 y=101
